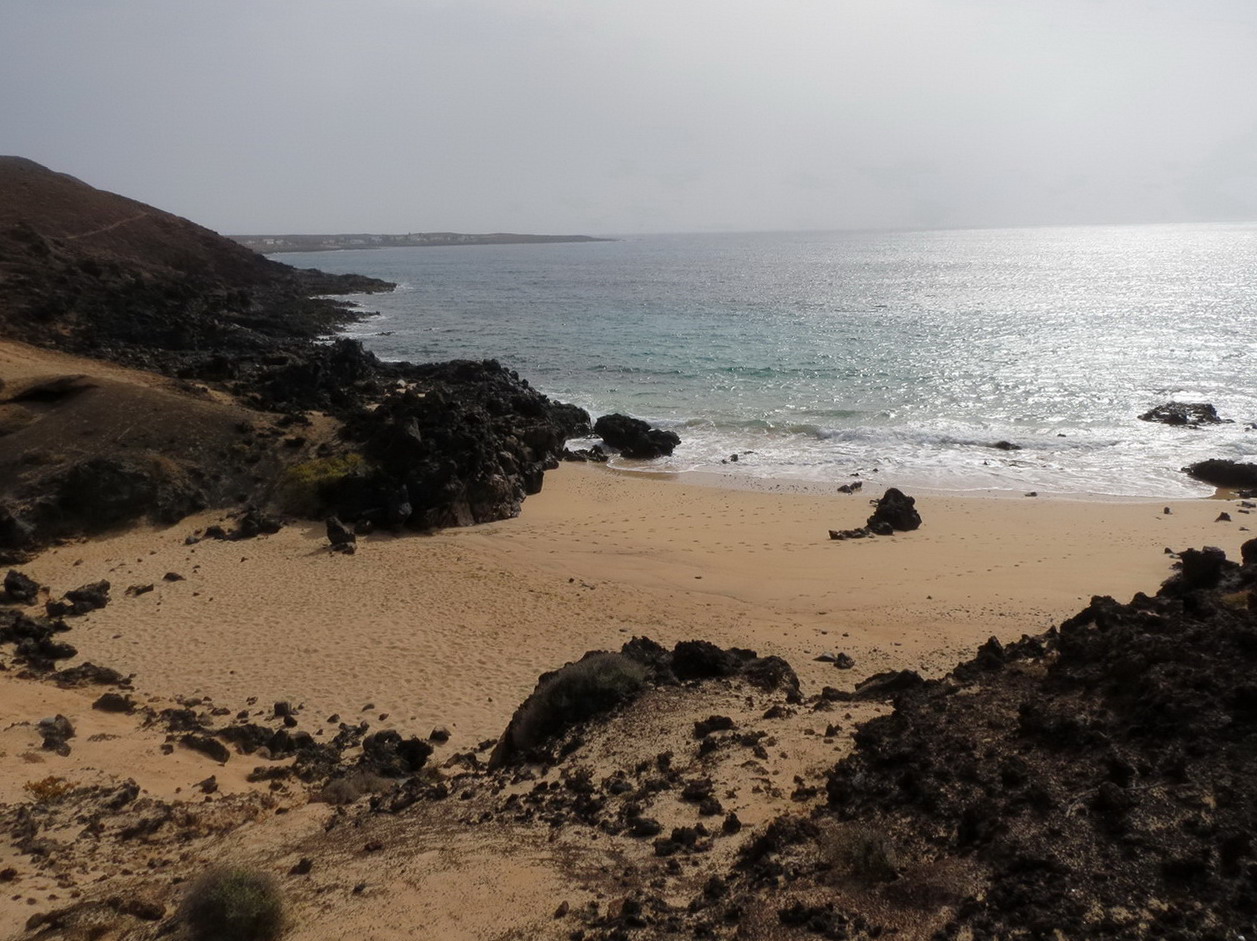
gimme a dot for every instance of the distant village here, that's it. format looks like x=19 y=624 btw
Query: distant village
x=270 y=244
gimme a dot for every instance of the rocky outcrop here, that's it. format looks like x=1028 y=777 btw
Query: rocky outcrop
x=80 y=601
x=461 y=443
x=602 y=681
x=332 y=378
x=633 y=438
x=1224 y=473
x=1191 y=414
x=89 y=271
x=1098 y=742
x=33 y=639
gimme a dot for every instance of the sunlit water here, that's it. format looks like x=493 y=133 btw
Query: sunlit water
x=828 y=354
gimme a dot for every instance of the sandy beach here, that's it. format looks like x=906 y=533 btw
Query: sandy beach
x=453 y=628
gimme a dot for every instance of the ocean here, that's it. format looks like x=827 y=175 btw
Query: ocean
x=898 y=356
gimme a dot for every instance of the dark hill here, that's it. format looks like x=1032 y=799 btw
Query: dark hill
x=93 y=272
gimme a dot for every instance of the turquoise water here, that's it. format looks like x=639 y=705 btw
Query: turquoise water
x=828 y=354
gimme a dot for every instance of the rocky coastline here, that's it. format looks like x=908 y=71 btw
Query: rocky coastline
x=1091 y=780
x=241 y=338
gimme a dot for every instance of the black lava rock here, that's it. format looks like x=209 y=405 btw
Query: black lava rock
x=1192 y=414
x=633 y=438
x=894 y=511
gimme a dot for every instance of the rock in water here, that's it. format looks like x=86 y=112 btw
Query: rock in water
x=634 y=438
x=1224 y=473
x=895 y=510
x=1192 y=414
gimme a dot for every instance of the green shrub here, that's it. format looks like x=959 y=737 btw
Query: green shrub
x=301 y=487
x=578 y=691
x=233 y=904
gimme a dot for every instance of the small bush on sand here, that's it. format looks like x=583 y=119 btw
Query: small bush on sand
x=858 y=852
x=577 y=692
x=233 y=904
x=47 y=790
x=302 y=486
x=353 y=786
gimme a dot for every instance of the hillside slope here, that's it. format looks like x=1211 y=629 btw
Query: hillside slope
x=90 y=271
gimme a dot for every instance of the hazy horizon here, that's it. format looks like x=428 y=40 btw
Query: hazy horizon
x=550 y=116
x=835 y=230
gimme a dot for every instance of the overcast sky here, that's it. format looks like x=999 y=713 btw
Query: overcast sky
x=623 y=116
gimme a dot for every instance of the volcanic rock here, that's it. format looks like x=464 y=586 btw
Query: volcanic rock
x=1199 y=569
x=114 y=702
x=338 y=534
x=387 y=753
x=210 y=747
x=712 y=724
x=1224 y=473
x=83 y=599
x=468 y=441
x=1192 y=414
x=633 y=438
x=88 y=674
x=20 y=588
x=886 y=685
x=254 y=523
x=1081 y=780
x=55 y=732
x=601 y=681
x=146 y=281
x=594 y=455
x=840 y=534
x=895 y=510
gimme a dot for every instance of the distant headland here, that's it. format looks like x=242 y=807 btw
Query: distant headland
x=271 y=244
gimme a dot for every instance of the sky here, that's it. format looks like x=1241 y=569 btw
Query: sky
x=638 y=116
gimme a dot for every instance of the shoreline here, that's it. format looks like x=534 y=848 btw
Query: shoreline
x=747 y=483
